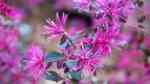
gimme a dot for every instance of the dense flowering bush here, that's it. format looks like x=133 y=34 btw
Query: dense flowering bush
x=89 y=32
x=83 y=51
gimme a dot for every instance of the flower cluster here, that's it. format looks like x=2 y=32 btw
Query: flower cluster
x=10 y=58
x=10 y=11
x=93 y=39
x=84 y=50
x=13 y=64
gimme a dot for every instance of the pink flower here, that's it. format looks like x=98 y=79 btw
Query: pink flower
x=102 y=43
x=55 y=28
x=9 y=39
x=10 y=66
x=90 y=6
x=90 y=65
x=88 y=60
x=115 y=6
x=35 y=64
x=16 y=14
x=5 y=61
x=4 y=8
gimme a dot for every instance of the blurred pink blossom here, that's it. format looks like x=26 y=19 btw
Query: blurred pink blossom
x=130 y=60
x=4 y=8
x=35 y=64
x=9 y=39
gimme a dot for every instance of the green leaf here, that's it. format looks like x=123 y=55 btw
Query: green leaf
x=71 y=63
x=75 y=75
x=53 y=76
x=74 y=81
x=54 y=56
